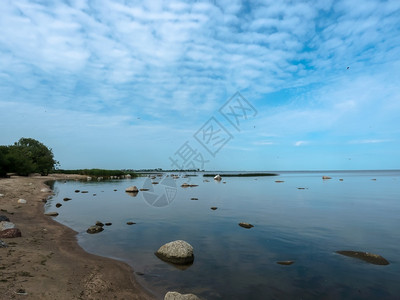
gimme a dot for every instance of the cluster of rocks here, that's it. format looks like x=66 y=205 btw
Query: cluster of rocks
x=8 y=229
x=98 y=227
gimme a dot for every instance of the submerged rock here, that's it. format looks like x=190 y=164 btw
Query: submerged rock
x=10 y=233
x=178 y=296
x=130 y=223
x=94 y=229
x=67 y=199
x=326 y=177
x=285 y=262
x=365 y=256
x=245 y=225
x=176 y=252
x=132 y=189
x=279 y=181
x=85 y=192
x=108 y=224
x=214 y=207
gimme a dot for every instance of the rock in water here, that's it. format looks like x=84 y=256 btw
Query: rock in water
x=52 y=214
x=177 y=252
x=326 y=177
x=58 y=205
x=365 y=256
x=285 y=262
x=217 y=177
x=6 y=225
x=10 y=233
x=94 y=229
x=245 y=225
x=67 y=199
x=132 y=189
x=214 y=207
x=98 y=223
x=178 y=296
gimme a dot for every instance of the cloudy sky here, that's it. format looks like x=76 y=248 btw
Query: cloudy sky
x=148 y=84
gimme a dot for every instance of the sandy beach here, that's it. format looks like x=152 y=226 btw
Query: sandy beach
x=47 y=262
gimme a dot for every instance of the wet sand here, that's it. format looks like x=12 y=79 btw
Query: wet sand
x=47 y=262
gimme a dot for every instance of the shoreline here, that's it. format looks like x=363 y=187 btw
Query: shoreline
x=47 y=261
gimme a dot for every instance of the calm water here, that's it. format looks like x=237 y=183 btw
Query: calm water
x=305 y=225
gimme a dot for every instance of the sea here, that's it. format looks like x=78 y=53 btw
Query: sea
x=297 y=217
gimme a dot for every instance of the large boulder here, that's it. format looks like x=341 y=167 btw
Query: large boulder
x=178 y=296
x=10 y=233
x=132 y=189
x=6 y=225
x=177 y=252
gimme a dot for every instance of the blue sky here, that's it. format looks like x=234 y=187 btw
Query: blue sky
x=108 y=84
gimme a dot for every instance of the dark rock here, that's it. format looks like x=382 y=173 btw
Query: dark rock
x=67 y=199
x=194 y=198
x=285 y=262
x=94 y=229
x=4 y=218
x=279 y=181
x=176 y=252
x=365 y=256
x=143 y=190
x=115 y=190
x=130 y=223
x=214 y=207
x=85 y=192
x=10 y=233
x=98 y=223
x=108 y=224
x=326 y=177
x=3 y=245
x=58 y=205
x=52 y=214
x=245 y=225
x=77 y=191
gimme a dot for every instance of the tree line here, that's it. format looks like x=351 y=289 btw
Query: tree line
x=25 y=157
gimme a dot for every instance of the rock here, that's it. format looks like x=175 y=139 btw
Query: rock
x=285 y=262
x=326 y=177
x=45 y=190
x=217 y=177
x=341 y=179
x=58 y=205
x=98 y=223
x=176 y=252
x=365 y=256
x=205 y=180
x=3 y=245
x=21 y=201
x=94 y=229
x=4 y=218
x=178 y=296
x=77 y=191
x=115 y=190
x=245 y=225
x=185 y=185
x=279 y=181
x=1 y=195
x=132 y=189
x=10 y=233
x=144 y=190
x=154 y=182
x=214 y=207
x=52 y=214
x=85 y=192
x=130 y=223
x=6 y=225
x=108 y=224
x=67 y=199
x=194 y=198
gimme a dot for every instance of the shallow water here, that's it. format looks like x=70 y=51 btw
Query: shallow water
x=304 y=225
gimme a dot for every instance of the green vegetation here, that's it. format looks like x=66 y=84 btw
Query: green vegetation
x=25 y=157
x=242 y=175
x=97 y=172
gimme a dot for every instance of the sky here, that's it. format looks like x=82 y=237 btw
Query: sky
x=215 y=85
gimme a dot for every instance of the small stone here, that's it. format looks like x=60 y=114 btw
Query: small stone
x=6 y=225
x=115 y=190
x=285 y=262
x=143 y=190
x=341 y=179
x=10 y=233
x=108 y=224
x=98 y=223
x=21 y=292
x=3 y=245
x=21 y=201
x=4 y=218
x=130 y=223
x=1 y=195
x=279 y=181
x=245 y=225
x=214 y=207
x=94 y=229
x=52 y=214
x=45 y=190
x=85 y=192
x=194 y=198
x=185 y=185
x=326 y=177
x=77 y=191
x=58 y=205
x=178 y=296
x=67 y=199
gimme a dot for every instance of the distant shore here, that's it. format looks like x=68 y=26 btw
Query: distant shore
x=47 y=262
